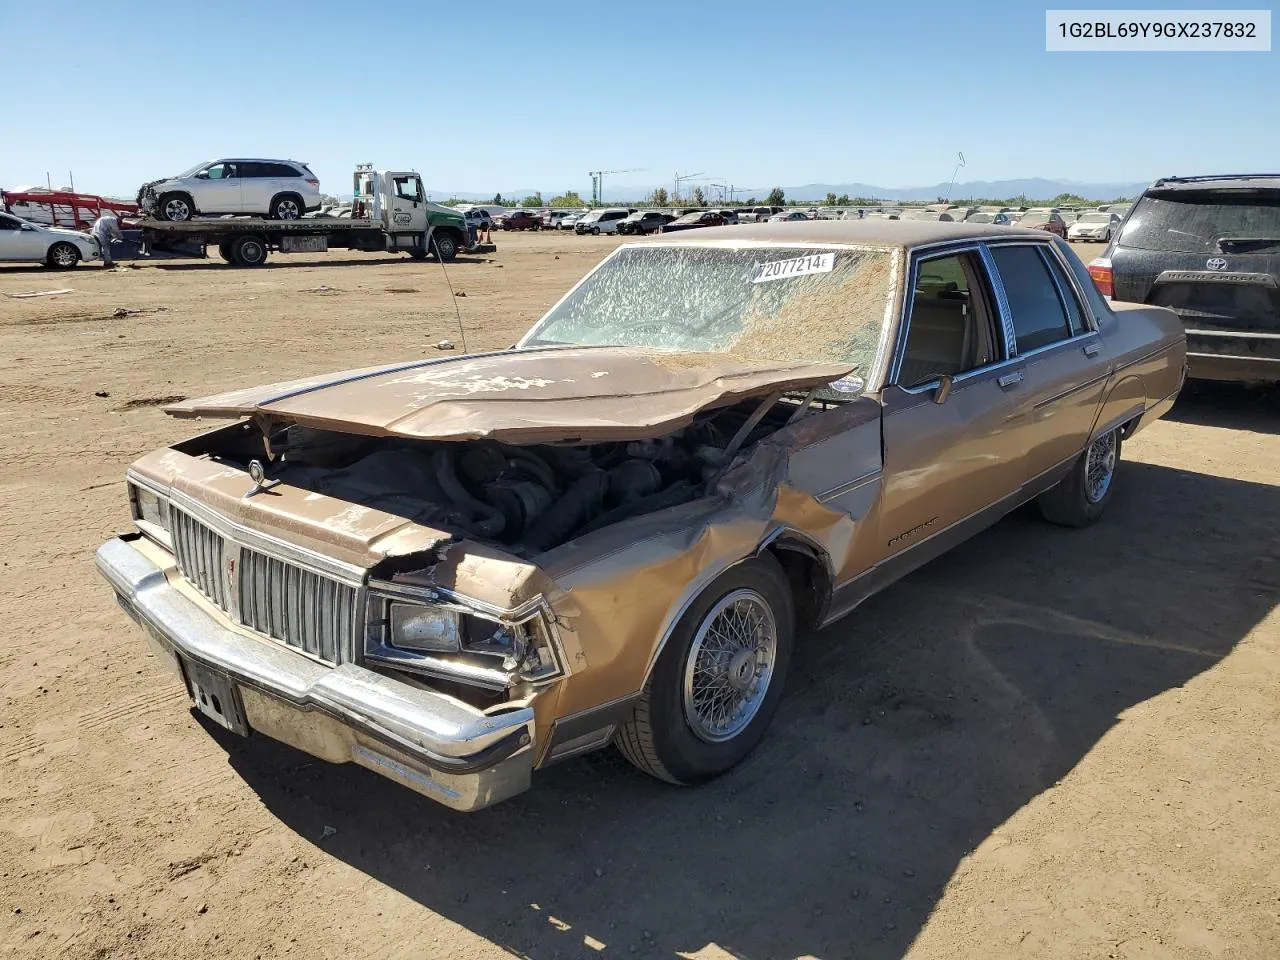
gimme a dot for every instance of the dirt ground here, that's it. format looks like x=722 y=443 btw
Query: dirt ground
x=1048 y=743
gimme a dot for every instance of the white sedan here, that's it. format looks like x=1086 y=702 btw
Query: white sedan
x=53 y=246
x=1094 y=226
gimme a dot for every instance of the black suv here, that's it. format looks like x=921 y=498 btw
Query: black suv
x=1209 y=249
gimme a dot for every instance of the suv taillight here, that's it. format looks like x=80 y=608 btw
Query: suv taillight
x=1103 y=276
x=314 y=183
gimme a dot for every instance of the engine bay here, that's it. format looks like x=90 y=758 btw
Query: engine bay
x=528 y=498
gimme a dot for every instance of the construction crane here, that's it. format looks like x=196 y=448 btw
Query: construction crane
x=597 y=182
x=689 y=178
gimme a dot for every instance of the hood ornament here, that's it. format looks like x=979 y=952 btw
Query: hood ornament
x=258 y=474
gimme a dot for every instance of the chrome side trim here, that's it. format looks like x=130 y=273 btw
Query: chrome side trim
x=962 y=378
x=841 y=489
x=1146 y=356
x=312 y=560
x=1070 y=390
x=1002 y=301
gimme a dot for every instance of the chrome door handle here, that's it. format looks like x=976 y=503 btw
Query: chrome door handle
x=1009 y=379
x=1092 y=349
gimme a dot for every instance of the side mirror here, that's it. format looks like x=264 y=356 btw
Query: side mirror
x=945 y=382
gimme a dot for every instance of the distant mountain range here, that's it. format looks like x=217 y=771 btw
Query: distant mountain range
x=1034 y=188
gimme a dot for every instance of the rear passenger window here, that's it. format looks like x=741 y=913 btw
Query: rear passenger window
x=1039 y=318
x=950 y=329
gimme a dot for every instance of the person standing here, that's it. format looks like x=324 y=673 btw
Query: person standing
x=106 y=230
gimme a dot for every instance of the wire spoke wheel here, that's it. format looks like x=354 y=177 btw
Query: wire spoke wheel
x=729 y=666
x=1100 y=466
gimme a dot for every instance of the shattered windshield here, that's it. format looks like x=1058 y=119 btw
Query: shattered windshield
x=772 y=303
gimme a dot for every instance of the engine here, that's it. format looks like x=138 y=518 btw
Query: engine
x=528 y=498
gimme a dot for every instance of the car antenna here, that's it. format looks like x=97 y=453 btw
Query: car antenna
x=462 y=333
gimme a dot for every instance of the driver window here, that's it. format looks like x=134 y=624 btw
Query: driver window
x=9 y=224
x=407 y=188
x=220 y=171
x=951 y=328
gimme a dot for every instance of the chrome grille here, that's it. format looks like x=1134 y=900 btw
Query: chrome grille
x=200 y=552
x=304 y=609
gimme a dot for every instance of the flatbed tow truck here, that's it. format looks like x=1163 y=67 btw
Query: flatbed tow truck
x=389 y=211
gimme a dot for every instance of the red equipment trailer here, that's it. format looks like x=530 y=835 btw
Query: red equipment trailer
x=61 y=208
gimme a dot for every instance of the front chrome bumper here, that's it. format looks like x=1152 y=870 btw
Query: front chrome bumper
x=441 y=747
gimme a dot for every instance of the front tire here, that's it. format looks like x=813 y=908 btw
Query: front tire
x=62 y=256
x=1080 y=498
x=595 y=231
x=718 y=680
x=224 y=251
x=175 y=207
x=445 y=247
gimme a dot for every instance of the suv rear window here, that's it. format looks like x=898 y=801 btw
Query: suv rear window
x=1194 y=222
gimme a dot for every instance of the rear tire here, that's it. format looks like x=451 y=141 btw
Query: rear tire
x=175 y=207
x=249 y=251
x=225 y=252
x=1080 y=498
x=733 y=642
x=287 y=206
x=62 y=256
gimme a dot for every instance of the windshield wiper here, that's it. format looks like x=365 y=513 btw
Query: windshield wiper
x=1245 y=244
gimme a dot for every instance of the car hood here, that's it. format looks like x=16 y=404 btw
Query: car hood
x=521 y=396
x=70 y=234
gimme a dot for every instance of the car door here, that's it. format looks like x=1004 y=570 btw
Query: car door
x=219 y=190
x=1064 y=367
x=17 y=243
x=259 y=182
x=950 y=463
x=408 y=205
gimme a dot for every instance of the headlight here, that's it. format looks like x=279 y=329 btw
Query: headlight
x=149 y=507
x=445 y=638
x=415 y=627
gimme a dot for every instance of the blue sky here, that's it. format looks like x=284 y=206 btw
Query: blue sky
x=504 y=95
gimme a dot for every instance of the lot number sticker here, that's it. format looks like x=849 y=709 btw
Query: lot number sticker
x=781 y=269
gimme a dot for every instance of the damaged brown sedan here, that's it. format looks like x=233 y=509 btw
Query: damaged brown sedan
x=459 y=570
